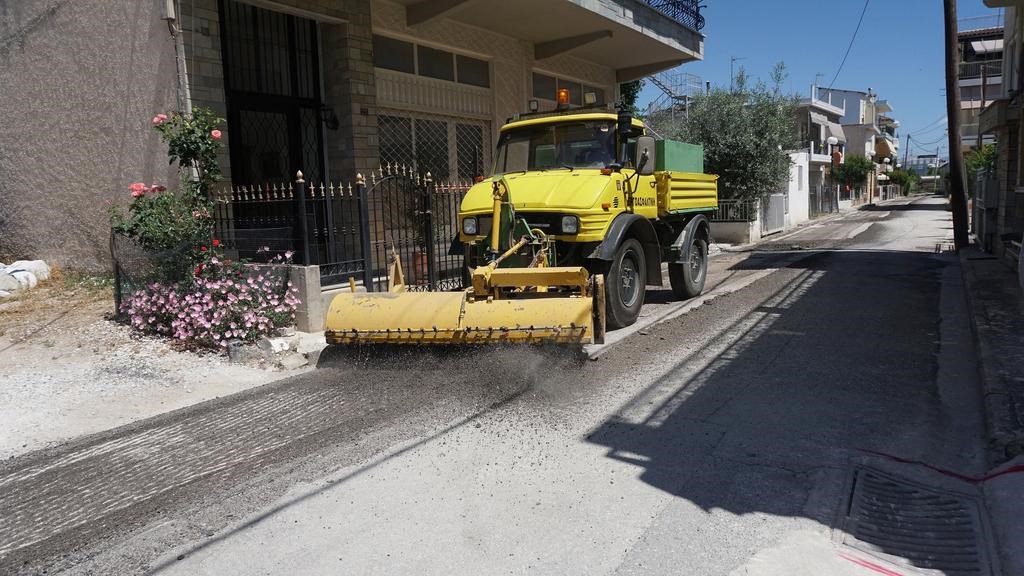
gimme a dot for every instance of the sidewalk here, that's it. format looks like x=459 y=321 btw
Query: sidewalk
x=996 y=306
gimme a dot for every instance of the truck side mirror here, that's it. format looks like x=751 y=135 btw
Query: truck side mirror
x=647 y=159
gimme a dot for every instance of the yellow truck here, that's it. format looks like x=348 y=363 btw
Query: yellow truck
x=560 y=242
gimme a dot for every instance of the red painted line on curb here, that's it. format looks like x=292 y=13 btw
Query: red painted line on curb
x=869 y=565
x=971 y=479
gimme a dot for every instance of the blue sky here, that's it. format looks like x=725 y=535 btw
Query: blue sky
x=898 y=52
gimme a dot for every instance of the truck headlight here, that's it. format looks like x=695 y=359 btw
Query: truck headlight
x=570 y=225
x=469 y=227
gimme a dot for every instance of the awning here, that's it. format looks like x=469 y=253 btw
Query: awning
x=818 y=118
x=884 y=148
x=986 y=46
x=836 y=130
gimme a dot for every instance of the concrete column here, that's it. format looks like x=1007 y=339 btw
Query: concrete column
x=309 y=317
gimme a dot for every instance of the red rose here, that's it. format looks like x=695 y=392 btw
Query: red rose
x=216 y=243
x=202 y=248
x=199 y=270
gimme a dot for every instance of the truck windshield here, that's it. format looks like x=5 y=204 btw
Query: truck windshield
x=558 y=145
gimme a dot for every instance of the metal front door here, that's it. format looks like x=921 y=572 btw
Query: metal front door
x=272 y=85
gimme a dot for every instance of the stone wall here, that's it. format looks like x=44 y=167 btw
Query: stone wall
x=81 y=80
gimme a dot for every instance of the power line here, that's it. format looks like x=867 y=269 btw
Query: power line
x=932 y=129
x=862 y=12
x=933 y=142
x=928 y=126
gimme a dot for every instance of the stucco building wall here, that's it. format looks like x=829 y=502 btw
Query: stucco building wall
x=81 y=80
x=512 y=60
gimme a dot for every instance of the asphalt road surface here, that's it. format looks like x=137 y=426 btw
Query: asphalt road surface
x=720 y=441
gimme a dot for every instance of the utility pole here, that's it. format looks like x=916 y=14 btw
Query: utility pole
x=906 y=153
x=957 y=193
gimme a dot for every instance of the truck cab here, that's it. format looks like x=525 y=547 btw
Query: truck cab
x=592 y=180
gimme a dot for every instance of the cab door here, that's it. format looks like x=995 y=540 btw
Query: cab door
x=645 y=187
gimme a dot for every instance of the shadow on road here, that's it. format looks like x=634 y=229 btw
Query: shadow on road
x=840 y=360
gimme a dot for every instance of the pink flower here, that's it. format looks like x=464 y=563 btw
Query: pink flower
x=138 y=189
x=159 y=119
x=215 y=134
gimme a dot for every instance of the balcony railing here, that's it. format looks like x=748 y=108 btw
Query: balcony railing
x=686 y=12
x=979 y=22
x=991 y=69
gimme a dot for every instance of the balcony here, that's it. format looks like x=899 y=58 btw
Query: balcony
x=635 y=38
x=988 y=68
x=686 y=12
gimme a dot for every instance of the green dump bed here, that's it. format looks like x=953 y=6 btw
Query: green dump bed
x=678 y=156
x=682 y=192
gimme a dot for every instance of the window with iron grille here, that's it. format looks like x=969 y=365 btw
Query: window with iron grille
x=446 y=147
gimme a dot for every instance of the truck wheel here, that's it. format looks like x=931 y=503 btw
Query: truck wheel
x=625 y=284
x=687 y=278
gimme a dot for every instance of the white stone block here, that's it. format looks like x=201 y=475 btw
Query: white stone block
x=27 y=280
x=9 y=283
x=271 y=346
x=36 y=267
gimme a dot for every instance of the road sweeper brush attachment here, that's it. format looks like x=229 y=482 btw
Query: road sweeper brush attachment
x=532 y=302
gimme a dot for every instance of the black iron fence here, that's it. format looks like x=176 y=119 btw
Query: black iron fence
x=731 y=210
x=350 y=230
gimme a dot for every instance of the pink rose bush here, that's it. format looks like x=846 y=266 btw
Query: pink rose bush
x=225 y=301
x=187 y=290
x=139 y=189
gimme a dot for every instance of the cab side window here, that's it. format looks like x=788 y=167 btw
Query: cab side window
x=631 y=152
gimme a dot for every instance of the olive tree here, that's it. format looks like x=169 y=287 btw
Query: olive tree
x=746 y=133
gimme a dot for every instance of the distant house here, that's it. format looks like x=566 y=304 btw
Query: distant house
x=820 y=125
x=980 y=76
x=329 y=87
x=870 y=132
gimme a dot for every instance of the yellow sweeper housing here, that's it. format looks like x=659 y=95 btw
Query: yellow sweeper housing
x=535 y=303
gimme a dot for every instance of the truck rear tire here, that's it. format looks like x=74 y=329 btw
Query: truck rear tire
x=687 y=278
x=625 y=284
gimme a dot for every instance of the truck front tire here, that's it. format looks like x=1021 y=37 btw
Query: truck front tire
x=625 y=284
x=687 y=278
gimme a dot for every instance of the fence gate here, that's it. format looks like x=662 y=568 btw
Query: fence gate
x=774 y=214
x=823 y=199
x=415 y=217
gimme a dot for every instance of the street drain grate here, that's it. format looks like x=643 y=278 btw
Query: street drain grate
x=916 y=525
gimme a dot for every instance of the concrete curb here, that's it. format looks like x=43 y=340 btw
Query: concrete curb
x=1001 y=416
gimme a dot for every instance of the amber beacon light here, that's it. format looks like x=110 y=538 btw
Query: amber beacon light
x=563 y=97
